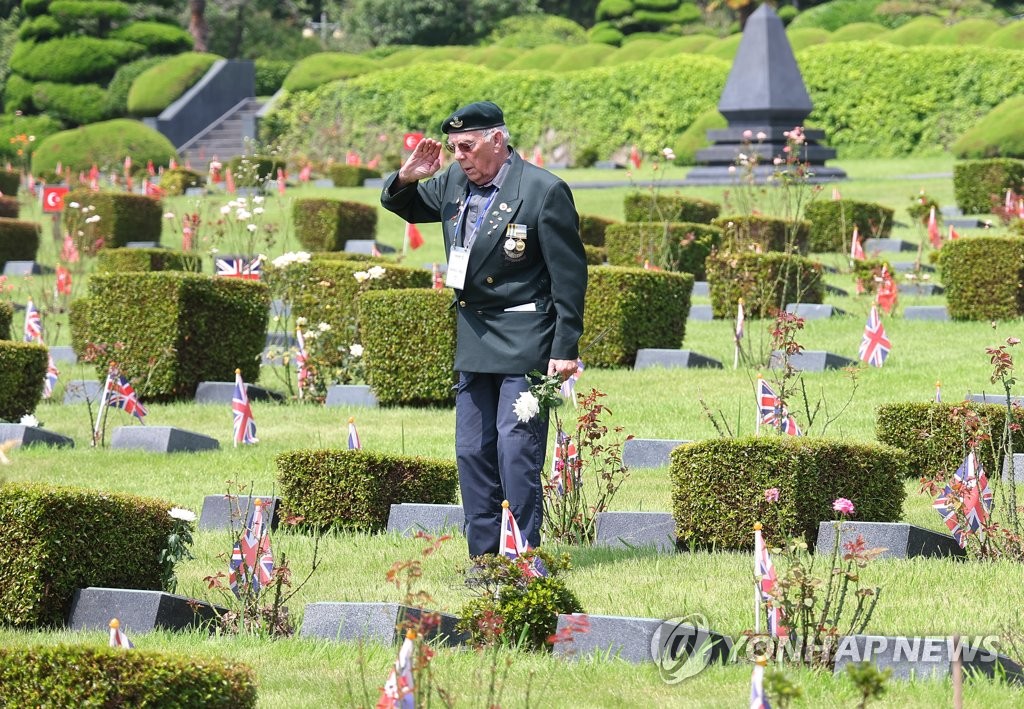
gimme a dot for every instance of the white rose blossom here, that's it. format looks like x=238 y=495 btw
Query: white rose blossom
x=74 y=205
x=376 y=272
x=258 y=210
x=93 y=219
x=361 y=276
x=300 y=321
x=355 y=350
x=526 y=406
x=251 y=227
x=29 y=420
x=226 y=209
x=182 y=514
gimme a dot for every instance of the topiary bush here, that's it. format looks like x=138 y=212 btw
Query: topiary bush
x=918 y=31
x=270 y=75
x=8 y=208
x=1010 y=36
x=973 y=30
x=593 y=228
x=59 y=539
x=6 y=318
x=318 y=69
x=671 y=246
x=695 y=137
x=72 y=60
x=764 y=233
x=125 y=260
x=832 y=223
x=596 y=255
x=982 y=276
x=353 y=490
x=408 y=336
x=766 y=282
x=351 y=175
x=176 y=181
x=859 y=32
x=19 y=241
x=657 y=207
x=833 y=15
x=103 y=11
x=977 y=182
x=254 y=170
x=64 y=675
x=121 y=84
x=156 y=37
x=1000 y=133
x=39 y=29
x=158 y=87
x=123 y=217
x=326 y=224
x=718 y=487
x=104 y=144
x=74 y=104
x=10 y=183
x=22 y=368
x=630 y=309
x=171 y=328
x=18 y=94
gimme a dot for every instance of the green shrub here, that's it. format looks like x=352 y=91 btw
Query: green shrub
x=834 y=15
x=126 y=260
x=859 y=32
x=969 y=31
x=648 y=207
x=633 y=51
x=718 y=487
x=918 y=31
x=613 y=9
x=724 y=48
x=19 y=241
x=832 y=223
x=176 y=181
x=158 y=87
x=156 y=37
x=976 y=183
x=17 y=94
x=59 y=539
x=807 y=37
x=171 y=325
x=8 y=207
x=104 y=144
x=10 y=182
x=767 y=282
x=39 y=127
x=408 y=336
x=33 y=8
x=22 y=368
x=39 y=29
x=689 y=44
x=672 y=246
x=92 y=676
x=1010 y=36
x=934 y=435
x=695 y=137
x=605 y=34
x=353 y=490
x=6 y=318
x=592 y=229
x=121 y=84
x=596 y=255
x=763 y=233
x=70 y=60
x=254 y=170
x=999 y=133
x=326 y=224
x=351 y=175
x=270 y=75
x=123 y=217
x=74 y=104
x=493 y=57
x=103 y=10
x=982 y=276
x=319 y=69
x=528 y=31
x=633 y=309
x=537 y=58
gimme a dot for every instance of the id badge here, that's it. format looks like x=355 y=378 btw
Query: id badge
x=458 y=264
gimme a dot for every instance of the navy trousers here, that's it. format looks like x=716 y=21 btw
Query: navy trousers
x=499 y=458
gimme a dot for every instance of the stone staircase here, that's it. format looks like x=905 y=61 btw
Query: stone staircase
x=224 y=139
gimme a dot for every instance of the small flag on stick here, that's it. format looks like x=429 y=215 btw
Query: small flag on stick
x=953 y=236
x=634 y=157
x=354 y=443
x=738 y=333
x=398 y=690
x=118 y=638
x=513 y=544
x=765 y=582
x=413 y=237
x=758 y=699
x=244 y=424
x=856 y=249
x=938 y=392
x=933 y=229
x=875 y=346
x=968 y=506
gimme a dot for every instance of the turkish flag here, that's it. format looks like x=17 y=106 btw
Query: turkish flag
x=411 y=140
x=53 y=198
x=413 y=236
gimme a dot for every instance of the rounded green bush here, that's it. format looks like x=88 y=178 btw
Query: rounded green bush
x=634 y=51
x=105 y=10
x=156 y=37
x=1000 y=133
x=858 y=32
x=613 y=9
x=528 y=31
x=806 y=37
x=724 y=48
x=657 y=5
x=158 y=87
x=104 y=143
x=695 y=137
x=70 y=60
x=432 y=55
x=835 y=14
x=606 y=34
x=494 y=57
x=33 y=8
x=973 y=31
x=918 y=31
x=537 y=58
x=318 y=69
x=1009 y=37
x=402 y=56
x=39 y=28
x=270 y=75
x=690 y=44
x=17 y=94
x=74 y=104
x=121 y=84
x=583 y=57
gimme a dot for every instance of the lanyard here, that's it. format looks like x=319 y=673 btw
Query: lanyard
x=479 y=218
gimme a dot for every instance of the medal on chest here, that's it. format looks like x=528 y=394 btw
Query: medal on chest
x=514 y=245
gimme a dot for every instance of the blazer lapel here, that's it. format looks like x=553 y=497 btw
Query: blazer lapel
x=502 y=210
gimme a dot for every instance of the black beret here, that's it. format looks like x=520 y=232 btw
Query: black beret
x=475 y=116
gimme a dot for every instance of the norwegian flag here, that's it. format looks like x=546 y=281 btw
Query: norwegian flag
x=634 y=157
x=239 y=268
x=245 y=425
x=970 y=502
x=513 y=544
x=397 y=692
x=50 y=379
x=354 y=443
x=118 y=638
x=301 y=359
x=413 y=237
x=758 y=699
x=121 y=394
x=765 y=582
x=886 y=296
x=856 y=249
x=933 y=229
x=771 y=412
x=568 y=388
x=438 y=279
x=33 y=323
x=875 y=346
x=564 y=463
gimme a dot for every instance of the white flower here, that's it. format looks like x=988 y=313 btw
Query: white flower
x=761 y=135
x=182 y=514
x=226 y=209
x=361 y=276
x=376 y=272
x=257 y=199
x=74 y=205
x=669 y=155
x=243 y=215
x=732 y=168
x=323 y=327
x=93 y=219
x=355 y=350
x=214 y=250
x=777 y=160
x=258 y=210
x=526 y=406
x=169 y=215
x=300 y=321
x=251 y=227
x=29 y=420
x=748 y=134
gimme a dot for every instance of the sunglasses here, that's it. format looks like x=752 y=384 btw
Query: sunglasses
x=464 y=146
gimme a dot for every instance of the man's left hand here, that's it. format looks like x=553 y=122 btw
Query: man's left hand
x=565 y=368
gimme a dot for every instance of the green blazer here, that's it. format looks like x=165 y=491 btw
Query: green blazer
x=550 y=272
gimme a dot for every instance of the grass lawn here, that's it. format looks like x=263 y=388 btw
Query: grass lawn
x=919 y=597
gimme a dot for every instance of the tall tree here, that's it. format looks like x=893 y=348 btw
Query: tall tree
x=197 y=25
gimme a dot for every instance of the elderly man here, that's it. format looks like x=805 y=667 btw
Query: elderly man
x=519 y=272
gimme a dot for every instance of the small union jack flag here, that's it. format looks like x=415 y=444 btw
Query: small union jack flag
x=564 y=463
x=875 y=346
x=513 y=544
x=118 y=638
x=239 y=268
x=397 y=692
x=50 y=379
x=766 y=581
x=771 y=412
x=121 y=394
x=758 y=699
x=236 y=570
x=33 y=323
x=245 y=425
x=968 y=499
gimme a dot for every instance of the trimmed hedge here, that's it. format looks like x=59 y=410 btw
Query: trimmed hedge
x=72 y=60
x=10 y=182
x=679 y=246
x=1000 y=133
x=126 y=260
x=6 y=318
x=8 y=207
x=158 y=87
x=175 y=182
x=22 y=368
x=766 y=282
x=934 y=435
x=696 y=138
x=648 y=207
x=408 y=337
x=109 y=677
x=254 y=170
x=156 y=37
x=317 y=69
x=19 y=240
x=326 y=224
x=39 y=29
x=104 y=10
x=918 y=31
x=983 y=277
x=121 y=84
x=270 y=74
x=74 y=104
x=832 y=223
x=631 y=309
x=592 y=229
x=104 y=144
x=764 y=233
x=172 y=328
x=977 y=182
x=718 y=487
x=596 y=255
x=58 y=539
x=353 y=490
x=17 y=94
x=351 y=175
x=123 y=217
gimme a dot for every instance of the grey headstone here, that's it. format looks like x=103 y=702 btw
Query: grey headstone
x=248 y=191
x=409 y=518
x=811 y=361
x=925 y=312
x=63 y=353
x=833 y=290
x=350 y=395
x=966 y=223
x=921 y=289
x=161 y=439
x=873 y=245
x=324 y=183
x=673 y=359
x=137 y=611
x=373 y=622
x=78 y=391
x=636 y=529
x=279 y=308
x=22 y=268
x=374 y=183
x=994 y=399
x=224 y=512
x=365 y=246
x=142 y=245
x=901 y=540
x=700 y=288
x=280 y=339
x=33 y=436
x=648 y=452
x=224 y=392
x=951 y=211
x=911 y=266
x=814 y=311
x=1018 y=468
x=922 y=657
x=608 y=165
x=701 y=312
x=195 y=191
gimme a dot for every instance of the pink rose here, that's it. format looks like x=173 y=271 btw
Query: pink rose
x=843 y=506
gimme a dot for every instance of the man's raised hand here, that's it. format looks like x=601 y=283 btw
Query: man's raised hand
x=424 y=162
